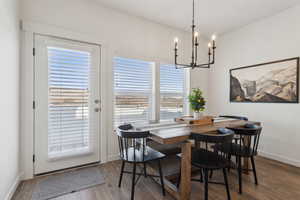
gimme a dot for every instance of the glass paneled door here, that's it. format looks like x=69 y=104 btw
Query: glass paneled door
x=67 y=103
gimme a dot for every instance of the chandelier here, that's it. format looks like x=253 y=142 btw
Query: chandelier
x=195 y=35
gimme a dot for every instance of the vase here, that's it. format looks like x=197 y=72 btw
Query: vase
x=198 y=115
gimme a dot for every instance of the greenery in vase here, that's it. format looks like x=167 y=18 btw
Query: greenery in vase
x=197 y=101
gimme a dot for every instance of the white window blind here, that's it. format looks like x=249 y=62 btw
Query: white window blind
x=171 y=92
x=68 y=106
x=132 y=89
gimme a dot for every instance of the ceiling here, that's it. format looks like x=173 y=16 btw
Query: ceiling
x=212 y=16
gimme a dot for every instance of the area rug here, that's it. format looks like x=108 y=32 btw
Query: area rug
x=57 y=185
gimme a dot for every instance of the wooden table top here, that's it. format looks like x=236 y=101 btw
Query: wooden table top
x=172 y=135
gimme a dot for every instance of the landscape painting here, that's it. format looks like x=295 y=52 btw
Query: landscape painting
x=273 y=82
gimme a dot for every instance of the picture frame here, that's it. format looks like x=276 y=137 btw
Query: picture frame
x=270 y=82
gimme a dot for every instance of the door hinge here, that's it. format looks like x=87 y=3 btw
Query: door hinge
x=33 y=158
x=33 y=51
x=33 y=104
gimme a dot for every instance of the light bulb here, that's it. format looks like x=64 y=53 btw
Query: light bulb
x=209 y=45
x=176 y=40
x=213 y=37
x=196 y=34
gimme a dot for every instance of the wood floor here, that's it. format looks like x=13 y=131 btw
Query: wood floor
x=277 y=181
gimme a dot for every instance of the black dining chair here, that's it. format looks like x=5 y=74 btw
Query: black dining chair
x=235 y=138
x=245 y=147
x=206 y=158
x=133 y=150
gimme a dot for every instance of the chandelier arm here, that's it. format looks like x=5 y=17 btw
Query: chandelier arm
x=209 y=59
x=206 y=64
x=176 y=55
x=214 y=48
x=209 y=54
x=196 y=53
x=193 y=45
x=182 y=66
x=203 y=66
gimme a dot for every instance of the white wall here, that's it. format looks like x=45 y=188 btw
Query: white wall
x=119 y=33
x=270 y=39
x=9 y=102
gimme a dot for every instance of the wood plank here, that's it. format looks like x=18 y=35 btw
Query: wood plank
x=171 y=135
x=206 y=120
x=185 y=183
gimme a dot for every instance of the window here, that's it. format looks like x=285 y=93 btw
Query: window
x=171 y=92
x=68 y=115
x=142 y=97
x=132 y=88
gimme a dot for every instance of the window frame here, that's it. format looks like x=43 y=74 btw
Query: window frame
x=154 y=100
x=186 y=91
x=149 y=112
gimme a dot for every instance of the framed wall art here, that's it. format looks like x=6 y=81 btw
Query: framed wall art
x=272 y=82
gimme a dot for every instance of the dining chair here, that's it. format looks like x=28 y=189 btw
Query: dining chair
x=235 y=138
x=245 y=147
x=206 y=158
x=133 y=150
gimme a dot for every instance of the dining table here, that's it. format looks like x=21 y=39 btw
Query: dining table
x=181 y=135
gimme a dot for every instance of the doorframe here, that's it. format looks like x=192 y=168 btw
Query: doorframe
x=42 y=41
x=28 y=30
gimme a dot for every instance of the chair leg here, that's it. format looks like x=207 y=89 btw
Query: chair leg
x=201 y=176
x=121 y=173
x=240 y=173
x=205 y=184
x=236 y=157
x=161 y=178
x=179 y=178
x=229 y=159
x=145 y=170
x=226 y=183
x=211 y=174
x=254 y=170
x=133 y=181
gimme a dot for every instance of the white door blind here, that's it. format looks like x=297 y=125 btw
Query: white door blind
x=171 y=92
x=132 y=88
x=68 y=106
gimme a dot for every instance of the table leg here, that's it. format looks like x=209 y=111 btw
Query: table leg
x=185 y=183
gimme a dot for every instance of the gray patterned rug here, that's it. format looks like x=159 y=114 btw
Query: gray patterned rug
x=57 y=185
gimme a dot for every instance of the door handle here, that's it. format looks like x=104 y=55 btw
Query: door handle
x=97 y=109
x=97 y=101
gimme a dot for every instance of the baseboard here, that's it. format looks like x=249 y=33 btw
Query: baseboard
x=279 y=158
x=113 y=158
x=13 y=187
